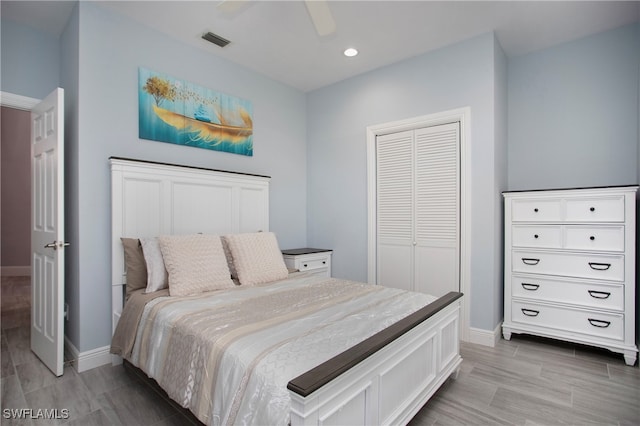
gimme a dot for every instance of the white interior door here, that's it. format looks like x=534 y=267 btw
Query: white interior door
x=47 y=231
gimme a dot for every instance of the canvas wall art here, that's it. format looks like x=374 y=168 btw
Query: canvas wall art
x=176 y=111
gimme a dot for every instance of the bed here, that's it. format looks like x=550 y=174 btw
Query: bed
x=291 y=348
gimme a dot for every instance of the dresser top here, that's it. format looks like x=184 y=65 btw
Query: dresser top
x=633 y=186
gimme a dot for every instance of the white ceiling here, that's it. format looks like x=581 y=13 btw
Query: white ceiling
x=278 y=39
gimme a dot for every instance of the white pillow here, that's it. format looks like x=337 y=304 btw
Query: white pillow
x=256 y=257
x=156 y=272
x=195 y=263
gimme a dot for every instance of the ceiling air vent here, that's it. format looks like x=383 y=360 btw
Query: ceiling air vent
x=216 y=39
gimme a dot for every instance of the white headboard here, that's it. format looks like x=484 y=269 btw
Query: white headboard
x=150 y=199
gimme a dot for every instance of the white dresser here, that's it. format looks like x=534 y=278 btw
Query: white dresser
x=570 y=266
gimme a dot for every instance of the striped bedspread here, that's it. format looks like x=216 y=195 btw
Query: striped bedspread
x=228 y=355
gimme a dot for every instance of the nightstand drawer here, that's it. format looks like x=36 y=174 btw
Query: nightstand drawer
x=307 y=264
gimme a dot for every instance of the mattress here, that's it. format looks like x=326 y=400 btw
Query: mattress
x=228 y=355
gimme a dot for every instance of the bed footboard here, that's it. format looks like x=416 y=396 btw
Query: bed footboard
x=387 y=378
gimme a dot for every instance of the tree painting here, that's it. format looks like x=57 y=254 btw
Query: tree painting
x=160 y=89
x=193 y=115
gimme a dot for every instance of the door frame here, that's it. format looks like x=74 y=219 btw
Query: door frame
x=18 y=102
x=21 y=103
x=463 y=116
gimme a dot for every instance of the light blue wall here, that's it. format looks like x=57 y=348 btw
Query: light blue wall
x=111 y=48
x=584 y=94
x=69 y=80
x=501 y=168
x=573 y=113
x=453 y=77
x=30 y=61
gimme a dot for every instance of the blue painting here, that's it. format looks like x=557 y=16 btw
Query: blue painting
x=175 y=111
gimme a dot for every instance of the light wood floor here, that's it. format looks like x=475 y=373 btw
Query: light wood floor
x=525 y=381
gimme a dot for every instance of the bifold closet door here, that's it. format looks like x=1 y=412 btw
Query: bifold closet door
x=418 y=209
x=437 y=209
x=394 y=183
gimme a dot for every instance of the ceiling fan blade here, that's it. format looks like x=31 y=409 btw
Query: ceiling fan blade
x=231 y=7
x=321 y=16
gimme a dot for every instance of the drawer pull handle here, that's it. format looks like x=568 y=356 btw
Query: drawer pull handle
x=592 y=238
x=592 y=209
x=530 y=287
x=324 y=262
x=305 y=265
x=535 y=236
x=599 y=266
x=599 y=323
x=535 y=210
x=599 y=294
x=531 y=312
x=530 y=261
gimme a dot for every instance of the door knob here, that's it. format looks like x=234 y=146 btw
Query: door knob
x=54 y=245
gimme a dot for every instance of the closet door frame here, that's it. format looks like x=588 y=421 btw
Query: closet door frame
x=462 y=116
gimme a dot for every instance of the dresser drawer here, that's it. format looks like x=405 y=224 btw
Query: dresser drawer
x=536 y=210
x=595 y=209
x=588 y=295
x=596 y=238
x=593 y=323
x=601 y=267
x=536 y=236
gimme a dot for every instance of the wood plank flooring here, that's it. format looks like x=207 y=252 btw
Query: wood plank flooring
x=526 y=381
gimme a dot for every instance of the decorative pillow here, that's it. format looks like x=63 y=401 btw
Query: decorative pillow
x=256 y=257
x=195 y=263
x=135 y=266
x=156 y=273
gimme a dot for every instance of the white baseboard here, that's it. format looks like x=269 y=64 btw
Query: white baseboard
x=15 y=271
x=485 y=337
x=83 y=361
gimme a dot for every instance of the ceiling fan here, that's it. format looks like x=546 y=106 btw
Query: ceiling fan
x=319 y=13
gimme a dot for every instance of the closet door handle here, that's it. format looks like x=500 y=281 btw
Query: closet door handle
x=530 y=261
x=531 y=312
x=599 y=266
x=599 y=323
x=530 y=287
x=599 y=294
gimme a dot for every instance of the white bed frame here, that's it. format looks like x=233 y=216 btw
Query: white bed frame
x=391 y=379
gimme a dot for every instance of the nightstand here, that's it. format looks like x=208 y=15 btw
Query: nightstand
x=314 y=260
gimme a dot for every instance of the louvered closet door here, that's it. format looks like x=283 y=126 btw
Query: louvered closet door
x=437 y=209
x=418 y=209
x=395 y=210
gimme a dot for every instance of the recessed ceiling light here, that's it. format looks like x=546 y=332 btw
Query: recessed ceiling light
x=350 y=52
